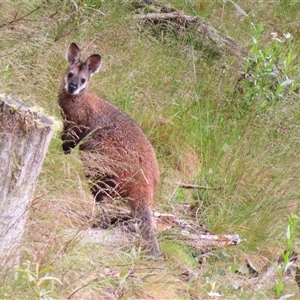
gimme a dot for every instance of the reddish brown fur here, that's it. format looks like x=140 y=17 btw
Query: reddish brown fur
x=117 y=155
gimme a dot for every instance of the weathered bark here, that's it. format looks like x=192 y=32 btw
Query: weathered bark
x=24 y=139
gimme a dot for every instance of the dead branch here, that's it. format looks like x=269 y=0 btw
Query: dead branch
x=10 y=53
x=193 y=186
x=119 y=229
x=197 y=187
x=87 y=282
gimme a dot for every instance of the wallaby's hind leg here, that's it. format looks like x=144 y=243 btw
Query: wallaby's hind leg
x=147 y=227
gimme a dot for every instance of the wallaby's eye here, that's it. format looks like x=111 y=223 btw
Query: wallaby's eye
x=70 y=74
x=82 y=80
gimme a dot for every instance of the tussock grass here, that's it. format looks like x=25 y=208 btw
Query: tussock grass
x=201 y=132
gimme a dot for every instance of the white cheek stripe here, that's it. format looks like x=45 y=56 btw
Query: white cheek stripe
x=78 y=90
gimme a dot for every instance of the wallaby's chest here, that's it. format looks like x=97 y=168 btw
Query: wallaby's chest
x=82 y=112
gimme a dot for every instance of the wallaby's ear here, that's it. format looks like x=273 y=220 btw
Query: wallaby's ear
x=93 y=63
x=73 y=54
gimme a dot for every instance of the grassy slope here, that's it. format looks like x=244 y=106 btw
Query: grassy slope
x=184 y=102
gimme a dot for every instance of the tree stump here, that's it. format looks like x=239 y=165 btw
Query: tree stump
x=24 y=139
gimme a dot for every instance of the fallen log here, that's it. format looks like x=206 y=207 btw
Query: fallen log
x=205 y=35
x=115 y=227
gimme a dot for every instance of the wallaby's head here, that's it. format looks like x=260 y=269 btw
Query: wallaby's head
x=79 y=73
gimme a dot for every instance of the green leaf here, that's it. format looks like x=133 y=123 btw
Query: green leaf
x=283 y=84
x=287 y=82
x=287 y=266
x=288 y=232
x=45 y=270
x=22 y=271
x=234 y=268
x=50 y=278
x=279 y=287
x=254 y=40
x=288 y=59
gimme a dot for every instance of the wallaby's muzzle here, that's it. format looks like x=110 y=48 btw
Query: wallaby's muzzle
x=72 y=87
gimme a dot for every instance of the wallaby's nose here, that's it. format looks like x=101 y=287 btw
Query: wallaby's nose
x=72 y=87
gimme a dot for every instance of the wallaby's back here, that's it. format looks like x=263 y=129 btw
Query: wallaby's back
x=117 y=156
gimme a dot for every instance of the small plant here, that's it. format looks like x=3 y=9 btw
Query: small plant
x=288 y=253
x=6 y=71
x=40 y=281
x=266 y=77
x=213 y=289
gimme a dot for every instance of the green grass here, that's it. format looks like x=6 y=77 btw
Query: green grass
x=203 y=133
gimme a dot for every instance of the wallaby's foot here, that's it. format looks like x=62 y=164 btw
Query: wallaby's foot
x=148 y=231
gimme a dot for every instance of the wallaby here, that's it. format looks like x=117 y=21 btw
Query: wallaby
x=117 y=156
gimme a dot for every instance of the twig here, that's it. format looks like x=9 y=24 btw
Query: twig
x=174 y=194
x=70 y=242
x=36 y=199
x=60 y=32
x=90 y=279
x=193 y=186
x=152 y=297
x=199 y=187
x=21 y=18
x=10 y=53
